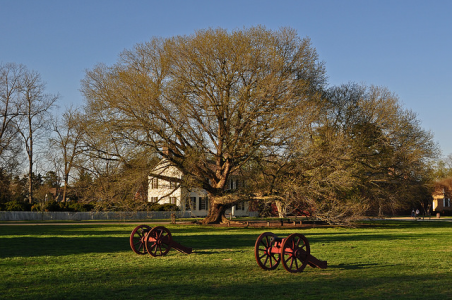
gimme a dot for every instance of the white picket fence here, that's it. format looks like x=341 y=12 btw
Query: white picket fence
x=85 y=216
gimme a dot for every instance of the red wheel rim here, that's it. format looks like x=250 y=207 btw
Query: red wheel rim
x=295 y=253
x=137 y=239
x=158 y=241
x=264 y=251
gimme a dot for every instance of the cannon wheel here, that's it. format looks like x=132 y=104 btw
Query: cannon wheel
x=137 y=239
x=158 y=241
x=295 y=253
x=266 y=259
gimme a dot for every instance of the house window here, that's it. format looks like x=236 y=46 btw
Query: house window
x=240 y=206
x=154 y=199
x=172 y=184
x=173 y=200
x=233 y=184
x=203 y=203
x=446 y=202
x=192 y=203
x=154 y=183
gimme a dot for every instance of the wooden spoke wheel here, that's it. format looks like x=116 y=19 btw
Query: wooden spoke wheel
x=158 y=241
x=267 y=251
x=295 y=253
x=137 y=239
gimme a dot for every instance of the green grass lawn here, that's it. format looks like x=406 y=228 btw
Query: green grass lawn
x=384 y=260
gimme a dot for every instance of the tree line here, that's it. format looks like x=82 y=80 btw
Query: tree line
x=254 y=102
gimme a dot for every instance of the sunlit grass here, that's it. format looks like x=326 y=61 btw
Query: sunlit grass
x=388 y=260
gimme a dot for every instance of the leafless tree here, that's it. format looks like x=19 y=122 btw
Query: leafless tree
x=10 y=109
x=214 y=99
x=66 y=143
x=34 y=117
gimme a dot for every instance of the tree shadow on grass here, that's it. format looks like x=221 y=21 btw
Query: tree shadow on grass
x=56 y=242
x=202 y=281
x=352 y=266
x=57 y=246
x=30 y=241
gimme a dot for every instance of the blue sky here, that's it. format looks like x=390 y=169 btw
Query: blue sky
x=404 y=45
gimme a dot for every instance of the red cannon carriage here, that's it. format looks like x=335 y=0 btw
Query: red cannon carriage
x=156 y=241
x=294 y=252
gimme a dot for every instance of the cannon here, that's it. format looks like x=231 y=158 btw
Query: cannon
x=294 y=252
x=156 y=241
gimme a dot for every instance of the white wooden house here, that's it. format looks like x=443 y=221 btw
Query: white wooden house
x=192 y=200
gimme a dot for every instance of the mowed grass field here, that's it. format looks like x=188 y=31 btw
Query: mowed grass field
x=381 y=260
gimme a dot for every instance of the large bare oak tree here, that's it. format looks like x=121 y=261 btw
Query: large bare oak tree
x=215 y=99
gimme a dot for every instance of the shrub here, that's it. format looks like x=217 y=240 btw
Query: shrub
x=15 y=206
x=155 y=207
x=162 y=207
x=67 y=206
x=170 y=207
x=36 y=207
x=52 y=206
x=78 y=207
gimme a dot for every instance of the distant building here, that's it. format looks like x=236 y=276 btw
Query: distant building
x=441 y=200
x=193 y=200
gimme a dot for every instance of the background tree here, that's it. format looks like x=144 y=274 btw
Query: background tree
x=5 y=187
x=214 y=99
x=368 y=154
x=364 y=154
x=19 y=187
x=81 y=185
x=11 y=76
x=442 y=168
x=66 y=144
x=52 y=179
x=111 y=169
x=34 y=117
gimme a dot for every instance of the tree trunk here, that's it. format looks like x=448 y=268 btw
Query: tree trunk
x=30 y=154
x=30 y=170
x=30 y=181
x=282 y=210
x=380 y=210
x=216 y=214
x=66 y=179
x=64 y=193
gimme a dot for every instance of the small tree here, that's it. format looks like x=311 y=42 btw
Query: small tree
x=34 y=116
x=66 y=144
x=11 y=76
